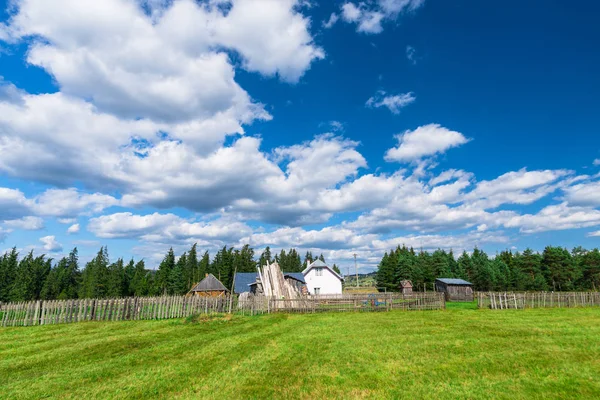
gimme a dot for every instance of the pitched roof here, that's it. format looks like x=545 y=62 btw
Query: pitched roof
x=453 y=281
x=320 y=264
x=243 y=280
x=406 y=283
x=209 y=284
x=299 y=276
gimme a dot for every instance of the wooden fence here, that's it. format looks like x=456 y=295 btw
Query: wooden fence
x=148 y=308
x=522 y=300
x=345 y=302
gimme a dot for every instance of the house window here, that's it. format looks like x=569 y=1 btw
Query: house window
x=318 y=271
x=317 y=290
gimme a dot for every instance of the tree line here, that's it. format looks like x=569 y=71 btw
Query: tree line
x=40 y=278
x=556 y=269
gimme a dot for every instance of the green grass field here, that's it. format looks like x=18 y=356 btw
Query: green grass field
x=458 y=353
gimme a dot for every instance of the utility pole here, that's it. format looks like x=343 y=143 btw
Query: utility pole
x=356 y=269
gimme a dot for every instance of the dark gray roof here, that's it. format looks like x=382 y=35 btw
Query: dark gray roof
x=453 y=281
x=243 y=280
x=209 y=284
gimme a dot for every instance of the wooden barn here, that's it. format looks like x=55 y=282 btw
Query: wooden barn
x=406 y=287
x=209 y=287
x=455 y=289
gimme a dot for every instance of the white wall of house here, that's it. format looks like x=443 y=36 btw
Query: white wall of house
x=323 y=281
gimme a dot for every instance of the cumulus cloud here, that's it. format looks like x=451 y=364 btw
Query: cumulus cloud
x=29 y=223
x=556 y=217
x=369 y=16
x=73 y=228
x=425 y=141
x=51 y=244
x=584 y=194
x=107 y=51
x=393 y=102
x=25 y=212
x=596 y=162
x=160 y=227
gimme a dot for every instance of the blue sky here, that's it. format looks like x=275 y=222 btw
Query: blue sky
x=339 y=127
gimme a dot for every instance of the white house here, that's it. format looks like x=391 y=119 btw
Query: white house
x=320 y=279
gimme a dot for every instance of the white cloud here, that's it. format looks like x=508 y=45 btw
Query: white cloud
x=71 y=202
x=166 y=227
x=556 y=217
x=51 y=244
x=393 y=102
x=73 y=228
x=596 y=162
x=29 y=223
x=350 y=12
x=584 y=194
x=107 y=52
x=424 y=141
x=13 y=204
x=411 y=54
x=333 y=18
x=368 y=16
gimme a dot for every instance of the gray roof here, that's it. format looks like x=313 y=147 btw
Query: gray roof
x=243 y=280
x=453 y=281
x=321 y=264
x=209 y=284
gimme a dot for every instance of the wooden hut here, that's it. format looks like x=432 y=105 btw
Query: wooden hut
x=209 y=287
x=406 y=287
x=455 y=289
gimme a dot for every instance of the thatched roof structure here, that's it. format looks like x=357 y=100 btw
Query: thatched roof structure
x=209 y=284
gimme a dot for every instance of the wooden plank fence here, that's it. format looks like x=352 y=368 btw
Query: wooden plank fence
x=154 y=308
x=344 y=303
x=522 y=300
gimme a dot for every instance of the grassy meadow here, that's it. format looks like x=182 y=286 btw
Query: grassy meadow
x=458 y=353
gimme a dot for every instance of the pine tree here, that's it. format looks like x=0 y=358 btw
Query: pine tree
x=177 y=283
x=558 y=268
x=265 y=257
x=129 y=273
x=245 y=261
x=94 y=278
x=8 y=269
x=164 y=270
x=115 y=282
x=337 y=270
x=529 y=265
x=404 y=265
x=191 y=274
x=139 y=282
x=203 y=266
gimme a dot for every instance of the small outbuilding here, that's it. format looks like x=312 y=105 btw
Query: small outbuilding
x=406 y=287
x=210 y=286
x=455 y=289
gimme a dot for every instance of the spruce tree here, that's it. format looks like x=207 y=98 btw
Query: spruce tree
x=191 y=274
x=8 y=269
x=164 y=271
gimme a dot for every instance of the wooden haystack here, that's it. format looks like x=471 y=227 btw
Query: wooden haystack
x=208 y=287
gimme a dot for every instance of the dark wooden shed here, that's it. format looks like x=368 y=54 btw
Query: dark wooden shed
x=209 y=287
x=455 y=289
x=406 y=287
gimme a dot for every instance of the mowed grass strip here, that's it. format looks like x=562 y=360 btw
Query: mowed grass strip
x=457 y=353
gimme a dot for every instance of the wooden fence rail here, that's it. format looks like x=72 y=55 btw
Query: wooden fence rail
x=522 y=300
x=148 y=308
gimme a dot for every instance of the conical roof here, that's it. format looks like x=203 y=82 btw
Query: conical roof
x=209 y=284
